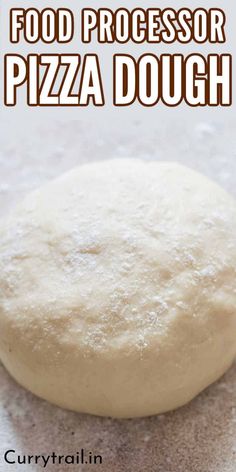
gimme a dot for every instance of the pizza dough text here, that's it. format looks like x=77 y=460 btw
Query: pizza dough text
x=73 y=80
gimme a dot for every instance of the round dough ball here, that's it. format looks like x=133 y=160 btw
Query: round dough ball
x=117 y=288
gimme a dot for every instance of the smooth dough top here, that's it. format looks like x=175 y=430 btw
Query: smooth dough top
x=119 y=276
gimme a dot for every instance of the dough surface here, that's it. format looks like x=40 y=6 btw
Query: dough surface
x=118 y=288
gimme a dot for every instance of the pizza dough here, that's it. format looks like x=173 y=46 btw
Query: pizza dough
x=117 y=288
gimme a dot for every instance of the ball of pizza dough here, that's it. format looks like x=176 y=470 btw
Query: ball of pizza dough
x=117 y=288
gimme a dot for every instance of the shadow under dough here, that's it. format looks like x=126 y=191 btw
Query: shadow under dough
x=195 y=438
